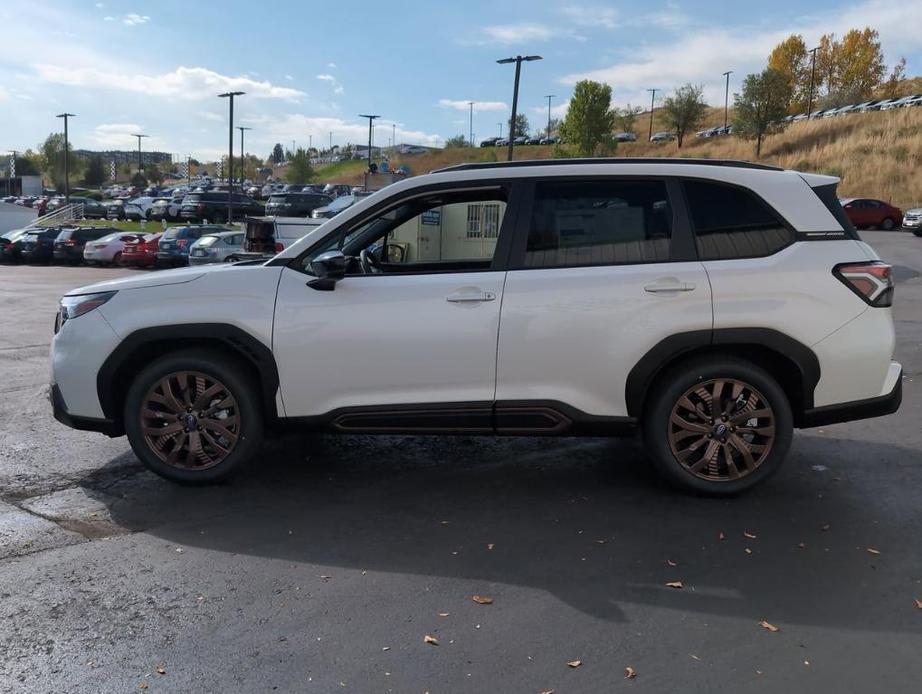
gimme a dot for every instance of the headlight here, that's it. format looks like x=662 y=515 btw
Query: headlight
x=76 y=306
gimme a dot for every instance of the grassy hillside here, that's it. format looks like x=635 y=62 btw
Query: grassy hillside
x=876 y=154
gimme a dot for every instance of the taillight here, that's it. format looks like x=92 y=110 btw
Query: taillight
x=70 y=242
x=872 y=281
x=182 y=242
x=279 y=247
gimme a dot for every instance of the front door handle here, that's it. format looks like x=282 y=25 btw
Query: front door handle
x=470 y=296
x=669 y=284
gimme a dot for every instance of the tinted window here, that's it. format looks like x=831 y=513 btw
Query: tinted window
x=731 y=222
x=610 y=222
x=277 y=199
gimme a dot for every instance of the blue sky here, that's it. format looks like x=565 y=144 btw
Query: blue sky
x=310 y=67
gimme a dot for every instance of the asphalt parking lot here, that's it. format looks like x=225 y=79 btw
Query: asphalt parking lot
x=324 y=566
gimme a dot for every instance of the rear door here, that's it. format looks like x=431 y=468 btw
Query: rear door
x=602 y=270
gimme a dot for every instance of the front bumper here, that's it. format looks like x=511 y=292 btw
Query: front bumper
x=880 y=406
x=59 y=408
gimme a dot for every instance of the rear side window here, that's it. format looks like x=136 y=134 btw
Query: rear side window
x=605 y=222
x=732 y=222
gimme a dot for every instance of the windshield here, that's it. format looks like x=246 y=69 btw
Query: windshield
x=342 y=203
x=207 y=241
x=277 y=199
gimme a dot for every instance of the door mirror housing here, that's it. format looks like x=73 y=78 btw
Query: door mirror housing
x=329 y=268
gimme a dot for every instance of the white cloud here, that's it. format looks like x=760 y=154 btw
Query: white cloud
x=605 y=17
x=108 y=18
x=289 y=78
x=332 y=66
x=210 y=116
x=337 y=87
x=557 y=110
x=133 y=19
x=517 y=33
x=269 y=130
x=462 y=105
x=115 y=136
x=183 y=82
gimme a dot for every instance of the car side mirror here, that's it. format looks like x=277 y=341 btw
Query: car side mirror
x=329 y=268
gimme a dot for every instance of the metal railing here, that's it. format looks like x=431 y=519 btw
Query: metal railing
x=62 y=215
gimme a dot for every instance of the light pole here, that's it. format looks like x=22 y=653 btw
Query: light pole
x=518 y=60
x=140 y=137
x=394 y=135
x=652 y=101
x=500 y=130
x=65 y=116
x=242 y=129
x=812 y=81
x=727 y=99
x=471 y=127
x=549 y=97
x=230 y=154
x=370 y=126
x=331 y=143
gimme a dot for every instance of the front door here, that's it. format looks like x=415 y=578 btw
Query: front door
x=407 y=339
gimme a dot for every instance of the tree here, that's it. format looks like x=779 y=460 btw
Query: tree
x=554 y=128
x=791 y=58
x=152 y=173
x=850 y=69
x=626 y=117
x=521 y=124
x=684 y=111
x=96 y=173
x=52 y=158
x=590 y=119
x=891 y=88
x=456 y=141
x=761 y=105
x=299 y=167
x=278 y=154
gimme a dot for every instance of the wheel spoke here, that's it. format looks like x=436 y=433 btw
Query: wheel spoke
x=689 y=426
x=746 y=415
x=171 y=400
x=207 y=395
x=160 y=431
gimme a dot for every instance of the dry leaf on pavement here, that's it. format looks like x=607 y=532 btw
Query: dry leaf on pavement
x=629 y=673
x=490 y=545
x=482 y=599
x=919 y=603
x=143 y=685
x=574 y=663
x=669 y=562
x=430 y=640
x=768 y=625
x=749 y=535
x=721 y=537
x=444 y=614
x=675 y=584
x=548 y=691
x=161 y=669
x=825 y=527
x=871 y=550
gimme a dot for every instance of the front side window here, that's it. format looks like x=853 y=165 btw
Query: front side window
x=599 y=222
x=731 y=222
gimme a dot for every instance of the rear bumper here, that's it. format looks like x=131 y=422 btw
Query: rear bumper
x=858 y=409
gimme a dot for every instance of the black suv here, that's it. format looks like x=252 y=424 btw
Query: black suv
x=69 y=243
x=213 y=207
x=38 y=245
x=295 y=204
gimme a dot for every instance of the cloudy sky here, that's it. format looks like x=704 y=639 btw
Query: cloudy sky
x=309 y=68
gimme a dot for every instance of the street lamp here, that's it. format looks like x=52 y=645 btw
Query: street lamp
x=549 y=97
x=652 y=101
x=65 y=116
x=242 y=129
x=471 y=130
x=230 y=154
x=500 y=130
x=727 y=99
x=139 y=136
x=812 y=80
x=518 y=60
x=370 y=126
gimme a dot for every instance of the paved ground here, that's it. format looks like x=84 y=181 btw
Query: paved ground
x=326 y=564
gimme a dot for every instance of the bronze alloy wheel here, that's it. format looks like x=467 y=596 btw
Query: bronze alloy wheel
x=190 y=420
x=721 y=429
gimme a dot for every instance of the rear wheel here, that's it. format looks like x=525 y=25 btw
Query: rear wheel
x=888 y=224
x=117 y=258
x=193 y=417
x=718 y=425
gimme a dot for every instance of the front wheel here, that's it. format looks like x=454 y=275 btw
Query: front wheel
x=717 y=425
x=194 y=417
x=888 y=224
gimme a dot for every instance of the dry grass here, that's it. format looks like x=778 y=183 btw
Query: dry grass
x=876 y=154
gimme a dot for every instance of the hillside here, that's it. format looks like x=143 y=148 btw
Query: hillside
x=876 y=154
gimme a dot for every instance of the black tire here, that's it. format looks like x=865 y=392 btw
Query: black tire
x=888 y=224
x=234 y=376
x=117 y=258
x=666 y=393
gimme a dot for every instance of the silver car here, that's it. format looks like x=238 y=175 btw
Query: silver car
x=215 y=248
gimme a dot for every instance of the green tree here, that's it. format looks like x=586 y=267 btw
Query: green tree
x=791 y=58
x=456 y=141
x=891 y=88
x=96 y=172
x=299 y=167
x=153 y=174
x=626 y=117
x=278 y=154
x=684 y=110
x=590 y=120
x=52 y=158
x=521 y=124
x=850 y=69
x=761 y=105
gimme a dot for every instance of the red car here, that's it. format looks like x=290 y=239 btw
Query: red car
x=142 y=253
x=866 y=213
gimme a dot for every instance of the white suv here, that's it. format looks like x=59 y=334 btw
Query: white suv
x=714 y=306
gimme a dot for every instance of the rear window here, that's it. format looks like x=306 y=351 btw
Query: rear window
x=65 y=234
x=208 y=241
x=276 y=199
x=174 y=233
x=731 y=222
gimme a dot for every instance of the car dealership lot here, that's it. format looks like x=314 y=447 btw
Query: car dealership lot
x=323 y=566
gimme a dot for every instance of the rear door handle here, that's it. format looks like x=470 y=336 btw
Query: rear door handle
x=666 y=285
x=470 y=296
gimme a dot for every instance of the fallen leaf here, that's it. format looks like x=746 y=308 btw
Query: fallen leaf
x=768 y=625
x=143 y=685
x=721 y=537
x=675 y=584
x=548 y=691
x=179 y=550
x=161 y=670
x=574 y=663
x=629 y=673
x=444 y=614
x=825 y=527
x=749 y=535
x=669 y=562
x=807 y=662
x=871 y=550
x=490 y=545
x=694 y=656
x=386 y=648
x=919 y=603
x=482 y=599
x=430 y=640
x=600 y=542
x=802 y=545
x=748 y=551
x=758 y=672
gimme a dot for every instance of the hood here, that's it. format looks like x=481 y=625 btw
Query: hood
x=153 y=279
x=915 y=211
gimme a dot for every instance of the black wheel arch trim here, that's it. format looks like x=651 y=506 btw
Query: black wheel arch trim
x=664 y=354
x=113 y=376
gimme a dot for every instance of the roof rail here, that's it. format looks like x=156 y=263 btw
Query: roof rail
x=607 y=160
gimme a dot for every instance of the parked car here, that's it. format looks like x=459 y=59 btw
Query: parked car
x=295 y=204
x=625 y=137
x=139 y=208
x=866 y=213
x=70 y=243
x=662 y=136
x=108 y=249
x=92 y=209
x=212 y=206
x=338 y=205
x=502 y=142
x=174 y=244
x=715 y=385
x=489 y=142
x=552 y=140
x=915 y=100
x=115 y=209
x=38 y=245
x=11 y=245
x=334 y=190
x=534 y=140
x=216 y=248
x=140 y=252
x=166 y=208
x=912 y=221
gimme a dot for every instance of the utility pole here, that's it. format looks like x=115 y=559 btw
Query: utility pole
x=812 y=80
x=242 y=129
x=500 y=130
x=230 y=154
x=65 y=116
x=394 y=135
x=549 y=97
x=331 y=143
x=652 y=101
x=727 y=99
x=518 y=60
x=370 y=127
x=471 y=130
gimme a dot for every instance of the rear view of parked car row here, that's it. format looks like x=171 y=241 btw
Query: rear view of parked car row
x=180 y=245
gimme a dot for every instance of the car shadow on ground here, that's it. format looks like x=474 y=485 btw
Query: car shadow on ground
x=583 y=519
